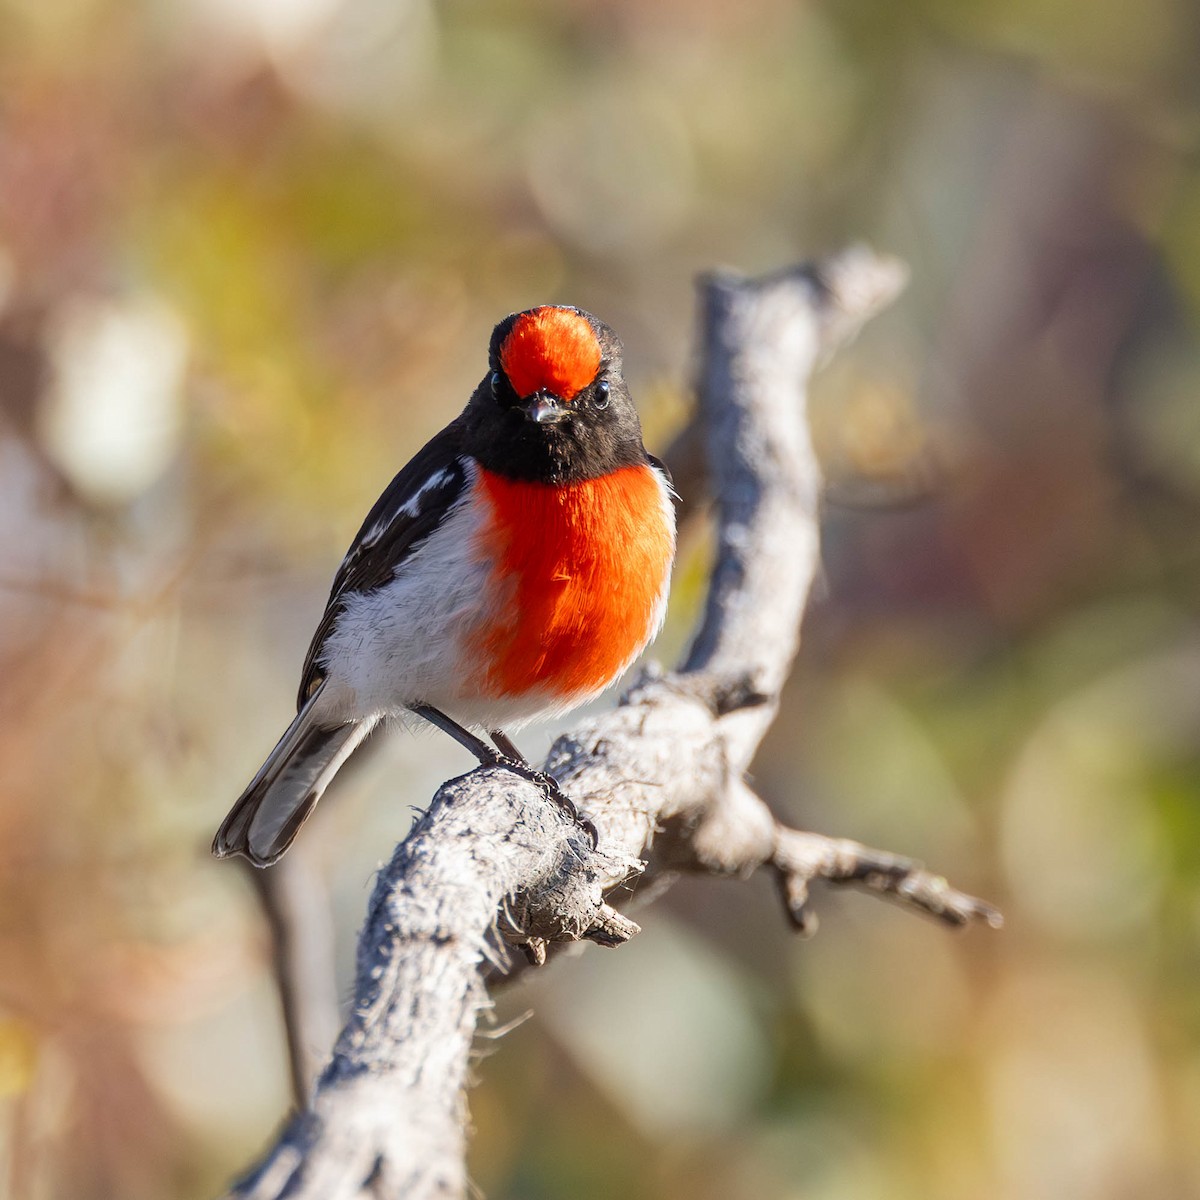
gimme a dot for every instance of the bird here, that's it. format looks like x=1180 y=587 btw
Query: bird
x=513 y=569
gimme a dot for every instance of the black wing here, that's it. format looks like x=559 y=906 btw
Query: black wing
x=409 y=510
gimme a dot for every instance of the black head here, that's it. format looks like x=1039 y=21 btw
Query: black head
x=553 y=407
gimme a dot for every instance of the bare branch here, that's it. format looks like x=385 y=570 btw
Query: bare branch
x=387 y=1116
x=802 y=857
x=295 y=903
x=493 y=876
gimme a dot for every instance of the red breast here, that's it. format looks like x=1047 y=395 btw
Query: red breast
x=586 y=566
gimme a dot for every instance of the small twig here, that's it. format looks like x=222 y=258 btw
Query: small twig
x=800 y=858
x=295 y=903
x=611 y=929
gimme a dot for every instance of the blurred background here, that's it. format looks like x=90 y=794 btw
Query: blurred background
x=250 y=253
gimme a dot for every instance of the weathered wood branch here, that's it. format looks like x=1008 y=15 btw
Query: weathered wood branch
x=493 y=866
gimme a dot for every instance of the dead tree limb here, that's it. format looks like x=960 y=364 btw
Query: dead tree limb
x=295 y=903
x=493 y=866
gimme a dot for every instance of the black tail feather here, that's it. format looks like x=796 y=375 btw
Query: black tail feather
x=269 y=813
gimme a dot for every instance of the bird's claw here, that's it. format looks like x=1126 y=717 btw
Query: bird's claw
x=553 y=791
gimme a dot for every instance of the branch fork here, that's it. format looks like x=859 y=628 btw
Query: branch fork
x=495 y=874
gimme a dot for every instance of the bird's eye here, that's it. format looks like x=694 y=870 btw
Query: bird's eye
x=497 y=383
x=602 y=390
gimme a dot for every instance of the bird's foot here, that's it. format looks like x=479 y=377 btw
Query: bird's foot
x=553 y=791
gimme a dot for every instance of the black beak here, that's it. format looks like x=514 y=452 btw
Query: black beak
x=544 y=408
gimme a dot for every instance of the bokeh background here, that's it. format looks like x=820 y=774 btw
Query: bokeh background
x=250 y=252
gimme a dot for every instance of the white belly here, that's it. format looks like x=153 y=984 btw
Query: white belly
x=402 y=644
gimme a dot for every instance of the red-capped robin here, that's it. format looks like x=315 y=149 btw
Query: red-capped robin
x=511 y=571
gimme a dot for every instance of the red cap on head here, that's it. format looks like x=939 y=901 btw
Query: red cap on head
x=554 y=349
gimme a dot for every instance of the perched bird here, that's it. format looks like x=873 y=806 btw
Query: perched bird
x=511 y=571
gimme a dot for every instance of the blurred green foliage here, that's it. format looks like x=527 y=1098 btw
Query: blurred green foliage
x=250 y=253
